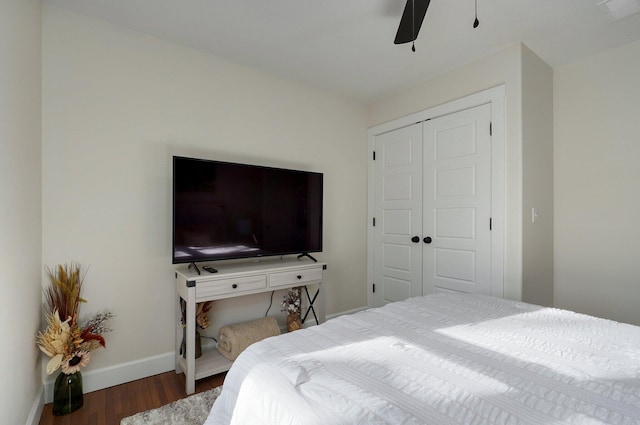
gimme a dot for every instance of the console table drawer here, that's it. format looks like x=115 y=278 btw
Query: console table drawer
x=295 y=276
x=230 y=286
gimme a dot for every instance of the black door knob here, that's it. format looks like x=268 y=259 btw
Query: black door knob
x=415 y=239
x=427 y=239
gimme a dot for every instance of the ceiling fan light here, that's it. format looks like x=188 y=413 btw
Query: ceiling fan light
x=615 y=10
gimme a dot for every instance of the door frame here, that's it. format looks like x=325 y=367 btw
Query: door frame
x=496 y=98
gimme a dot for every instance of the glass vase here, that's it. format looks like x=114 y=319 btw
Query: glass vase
x=67 y=393
x=183 y=344
x=293 y=322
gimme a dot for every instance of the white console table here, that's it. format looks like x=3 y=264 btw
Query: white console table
x=234 y=280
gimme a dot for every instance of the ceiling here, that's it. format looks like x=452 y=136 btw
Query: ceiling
x=347 y=45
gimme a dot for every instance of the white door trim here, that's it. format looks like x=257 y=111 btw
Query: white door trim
x=494 y=96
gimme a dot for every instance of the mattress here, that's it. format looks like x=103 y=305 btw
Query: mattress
x=440 y=359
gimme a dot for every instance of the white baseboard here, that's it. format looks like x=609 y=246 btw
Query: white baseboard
x=355 y=310
x=36 y=409
x=115 y=375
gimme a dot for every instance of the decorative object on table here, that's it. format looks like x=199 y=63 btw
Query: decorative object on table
x=67 y=341
x=202 y=322
x=291 y=304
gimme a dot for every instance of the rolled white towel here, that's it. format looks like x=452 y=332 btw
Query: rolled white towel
x=233 y=339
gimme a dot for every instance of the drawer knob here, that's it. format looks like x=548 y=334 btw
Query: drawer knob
x=234 y=286
x=299 y=277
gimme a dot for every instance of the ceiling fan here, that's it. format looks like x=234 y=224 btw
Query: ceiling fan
x=412 y=18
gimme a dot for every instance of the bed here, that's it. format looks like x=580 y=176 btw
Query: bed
x=440 y=359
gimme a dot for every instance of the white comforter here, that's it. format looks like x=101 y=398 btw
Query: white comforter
x=440 y=359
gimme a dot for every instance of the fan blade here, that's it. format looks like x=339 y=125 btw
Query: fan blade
x=411 y=21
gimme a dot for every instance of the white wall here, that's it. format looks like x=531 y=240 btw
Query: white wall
x=502 y=67
x=597 y=190
x=116 y=106
x=537 y=179
x=20 y=208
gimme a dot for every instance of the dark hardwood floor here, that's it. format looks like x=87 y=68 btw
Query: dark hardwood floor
x=109 y=406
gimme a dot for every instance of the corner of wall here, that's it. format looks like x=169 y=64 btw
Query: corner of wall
x=36 y=409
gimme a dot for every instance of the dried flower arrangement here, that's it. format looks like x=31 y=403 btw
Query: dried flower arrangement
x=292 y=305
x=202 y=314
x=291 y=302
x=66 y=341
x=202 y=322
x=202 y=318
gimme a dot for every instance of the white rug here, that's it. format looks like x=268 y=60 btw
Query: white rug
x=192 y=410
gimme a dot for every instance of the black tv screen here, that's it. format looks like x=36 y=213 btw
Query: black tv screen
x=225 y=210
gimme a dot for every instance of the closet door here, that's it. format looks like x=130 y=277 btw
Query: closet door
x=457 y=202
x=397 y=251
x=432 y=207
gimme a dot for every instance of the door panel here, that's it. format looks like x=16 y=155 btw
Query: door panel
x=398 y=212
x=397 y=257
x=455 y=264
x=455 y=142
x=455 y=182
x=457 y=202
x=397 y=222
x=395 y=290
x=398 y=187
x=455 y=223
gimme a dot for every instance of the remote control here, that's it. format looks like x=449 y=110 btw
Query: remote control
x=210 y=269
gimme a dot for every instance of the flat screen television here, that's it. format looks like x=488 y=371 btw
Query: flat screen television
x=224 y=210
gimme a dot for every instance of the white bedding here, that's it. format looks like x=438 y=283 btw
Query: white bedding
x=440 y=359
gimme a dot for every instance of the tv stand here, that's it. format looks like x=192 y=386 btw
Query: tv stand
x=306 y=254
x=236 y=280
x=195 y=267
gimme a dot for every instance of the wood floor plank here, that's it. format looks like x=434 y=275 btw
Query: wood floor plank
x=110 y=405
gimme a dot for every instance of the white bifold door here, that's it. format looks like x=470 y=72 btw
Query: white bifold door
x=432 y=207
